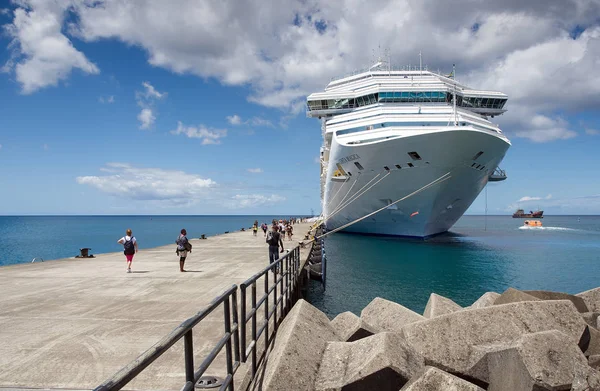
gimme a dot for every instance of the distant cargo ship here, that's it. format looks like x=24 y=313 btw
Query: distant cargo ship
x=520 y=213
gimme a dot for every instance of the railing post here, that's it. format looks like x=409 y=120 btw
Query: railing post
x=275 y=277
x=243 y=324
x=188 y=346
x=287 y=285
x=227 y=320
x=267 y=311
x=236 y=322
x=254 y=313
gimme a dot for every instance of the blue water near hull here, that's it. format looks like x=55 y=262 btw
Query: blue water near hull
x=563 y=255
x=52 y=237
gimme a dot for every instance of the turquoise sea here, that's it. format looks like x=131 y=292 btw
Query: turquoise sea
x=478 y=255
x=563 y=255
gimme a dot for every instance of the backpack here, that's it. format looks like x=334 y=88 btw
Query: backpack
x=129 y=247
x=271 y=239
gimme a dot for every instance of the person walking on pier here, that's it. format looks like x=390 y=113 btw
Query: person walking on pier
x=183 y=247
x=274 y=241
x=130 y=247
x=264 y=227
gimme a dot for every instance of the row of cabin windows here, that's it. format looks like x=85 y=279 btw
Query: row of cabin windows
x=406 y=97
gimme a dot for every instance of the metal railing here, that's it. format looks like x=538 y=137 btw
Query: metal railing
x=284 y=292
x=184 y=330
x=286 y=271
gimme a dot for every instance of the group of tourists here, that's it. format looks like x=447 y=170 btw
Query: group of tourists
x=274 y=238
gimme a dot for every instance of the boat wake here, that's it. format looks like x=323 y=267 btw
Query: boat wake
x=548 y=228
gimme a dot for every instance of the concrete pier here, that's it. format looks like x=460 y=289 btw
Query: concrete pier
x=73 y=323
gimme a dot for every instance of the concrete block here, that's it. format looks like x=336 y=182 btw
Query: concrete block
x=457 y=342
x=439 y=305
x=591 y=298
x=512 y=295
x=591 y=318
x=350 y=327
x=486 y=300
x=298 y=348
x=547 y=295
x=433 y=379
x=386 y=315
x=380 y=362
x=593 y=346
x=538 y=361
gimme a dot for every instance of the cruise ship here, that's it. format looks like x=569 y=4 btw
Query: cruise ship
x=405 y=151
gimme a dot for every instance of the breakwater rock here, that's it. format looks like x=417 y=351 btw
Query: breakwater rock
x=514 y=341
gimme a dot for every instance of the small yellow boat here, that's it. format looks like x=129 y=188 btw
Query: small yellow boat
x=533 y=223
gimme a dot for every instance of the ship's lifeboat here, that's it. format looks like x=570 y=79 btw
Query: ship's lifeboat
x=533 y=223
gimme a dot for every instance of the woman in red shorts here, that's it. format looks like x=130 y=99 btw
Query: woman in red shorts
x=130 y=247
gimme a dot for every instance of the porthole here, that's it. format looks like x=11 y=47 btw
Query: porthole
x=477 y=155
x=479 y=165
x=410 y=165
x=473 y=165
x=414 y=156
x=386 y=168
x=398 y=166
x=357 y=164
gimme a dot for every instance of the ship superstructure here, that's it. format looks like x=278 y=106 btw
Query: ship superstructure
x=388 y=133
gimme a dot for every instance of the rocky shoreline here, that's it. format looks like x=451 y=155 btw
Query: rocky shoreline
x=517 y=340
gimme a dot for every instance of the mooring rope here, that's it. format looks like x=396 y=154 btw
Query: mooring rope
x=441 y=179
x=336 y=193
x=356 y=196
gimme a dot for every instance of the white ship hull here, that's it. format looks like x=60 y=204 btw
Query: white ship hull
x=444 y=150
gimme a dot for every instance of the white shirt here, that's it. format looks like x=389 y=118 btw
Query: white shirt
x=126 y=238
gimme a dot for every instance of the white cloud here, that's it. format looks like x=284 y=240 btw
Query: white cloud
x=254 y=170
x=146 y=100
x=530 y=50
x=592 y=132
x=528 y=198
x=234 y=119
x=151 y=92
x=254 y=121
x=207 y=135
x=150 y=184
x=241 y=201
x=42 y=55
x=109 y=99
x=45 y=147
x=146 y=118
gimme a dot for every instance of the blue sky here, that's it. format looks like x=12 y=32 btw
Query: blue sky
x=110 y=109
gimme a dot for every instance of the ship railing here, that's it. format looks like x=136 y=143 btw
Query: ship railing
x=384 y=68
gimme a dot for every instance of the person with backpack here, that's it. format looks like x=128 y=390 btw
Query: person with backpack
x=183 y=247
x=274 y=241
x=130 y=247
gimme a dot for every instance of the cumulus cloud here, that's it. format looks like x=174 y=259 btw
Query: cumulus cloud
x=207 y=135
x=146 y=100
x=543 y=54
x=592 y=132
x=240 y=201
x=254 y=121
x=41 y=54
x=146 y=118
x=254 y=170
x=149 y=184
x=234 y=119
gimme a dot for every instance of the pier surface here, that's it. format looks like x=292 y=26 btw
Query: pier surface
x=73 y=323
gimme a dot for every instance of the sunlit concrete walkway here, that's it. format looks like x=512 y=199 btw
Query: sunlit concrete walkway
x=73 y=323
